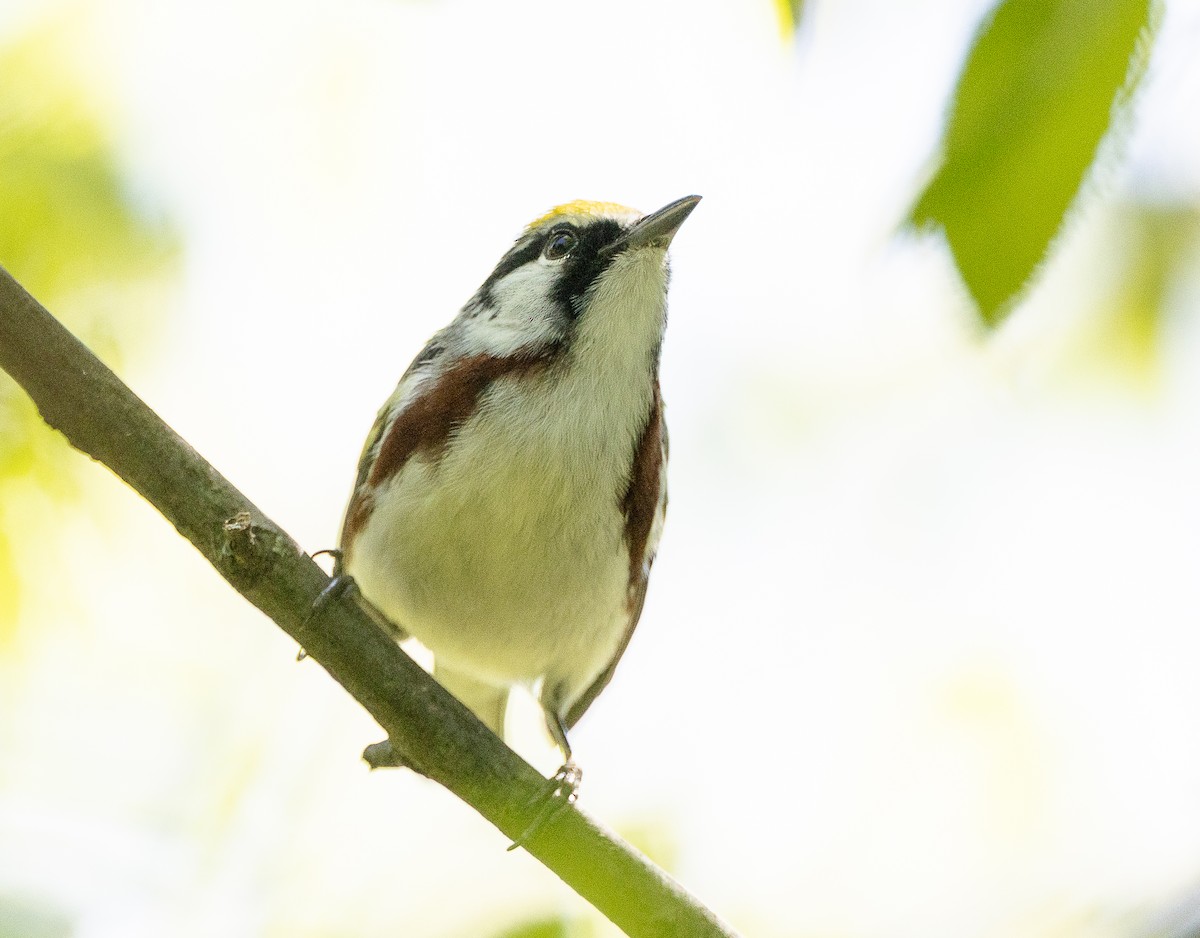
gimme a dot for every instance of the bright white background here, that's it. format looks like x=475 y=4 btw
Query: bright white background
x=920 y=651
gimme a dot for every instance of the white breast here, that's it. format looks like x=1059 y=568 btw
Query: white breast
x=505 y=555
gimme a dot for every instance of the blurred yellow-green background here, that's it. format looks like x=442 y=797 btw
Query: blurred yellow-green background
x=920 y=653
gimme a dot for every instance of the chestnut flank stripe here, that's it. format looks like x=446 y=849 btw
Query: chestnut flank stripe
x=640 y=503
x=447 y=403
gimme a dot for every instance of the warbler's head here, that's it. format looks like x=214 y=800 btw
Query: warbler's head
x=594 y=272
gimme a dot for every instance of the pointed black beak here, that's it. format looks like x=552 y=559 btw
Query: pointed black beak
x=656 y=229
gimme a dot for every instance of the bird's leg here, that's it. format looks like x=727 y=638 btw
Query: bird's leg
x=338 y=586
x=561 y=789
x=558 y=730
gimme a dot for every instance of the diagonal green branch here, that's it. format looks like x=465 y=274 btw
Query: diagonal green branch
x=99 y=415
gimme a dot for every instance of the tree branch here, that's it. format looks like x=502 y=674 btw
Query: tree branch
x=437 y=735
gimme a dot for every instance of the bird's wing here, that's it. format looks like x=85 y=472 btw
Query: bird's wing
x=421 y=369
x=580 y=706
x=645 y=507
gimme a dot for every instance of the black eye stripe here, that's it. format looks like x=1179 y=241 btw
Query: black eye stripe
x=586 y=263
x=579 y=270
x=518 y=256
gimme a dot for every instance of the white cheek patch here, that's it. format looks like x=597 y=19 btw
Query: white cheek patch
x=522 y=313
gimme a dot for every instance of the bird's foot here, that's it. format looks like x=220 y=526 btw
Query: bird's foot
x=338 y=586
x=559 y=793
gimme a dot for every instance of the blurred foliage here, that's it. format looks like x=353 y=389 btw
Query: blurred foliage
x=20 y=918
x=790 y=14
x=1043 y=84
x=1157 y=244
x=72 y=235
x=548 y=928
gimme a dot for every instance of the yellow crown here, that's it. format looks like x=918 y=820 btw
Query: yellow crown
x=585 y=208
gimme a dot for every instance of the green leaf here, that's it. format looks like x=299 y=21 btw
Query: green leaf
x=1043 y=84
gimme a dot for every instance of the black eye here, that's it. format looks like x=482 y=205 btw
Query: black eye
x=559 y=244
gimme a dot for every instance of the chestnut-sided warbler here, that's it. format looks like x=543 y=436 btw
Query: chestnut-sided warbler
x=511 y=494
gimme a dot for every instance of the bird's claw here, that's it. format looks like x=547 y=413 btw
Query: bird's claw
x=337 y=587
x=559 y=793
x=334 y=552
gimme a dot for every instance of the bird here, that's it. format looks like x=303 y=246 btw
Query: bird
x=511 y=494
